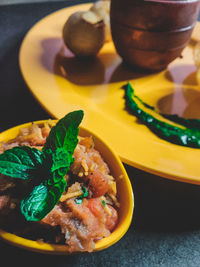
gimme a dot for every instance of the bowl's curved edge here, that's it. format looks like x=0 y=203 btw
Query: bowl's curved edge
x=42 y=247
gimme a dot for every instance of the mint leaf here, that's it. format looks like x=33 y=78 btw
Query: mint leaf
x=58 y=156
x=64 y=133
x=61 y=159
x=20 y=162
x=58 y=161
x=46 y=195
x=42 y=199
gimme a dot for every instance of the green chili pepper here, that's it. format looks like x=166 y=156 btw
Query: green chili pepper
x=161 y=125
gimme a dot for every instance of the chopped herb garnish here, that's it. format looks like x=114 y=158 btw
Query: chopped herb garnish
x=85 y=192
x=79 y=200
x=103 y=203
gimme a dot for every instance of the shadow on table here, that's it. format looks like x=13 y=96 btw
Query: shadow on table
x=163 y=205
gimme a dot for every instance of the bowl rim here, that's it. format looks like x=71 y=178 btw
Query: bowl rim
x=58 y=249
x=190 y=27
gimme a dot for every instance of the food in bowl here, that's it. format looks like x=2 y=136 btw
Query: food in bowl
x=56 y=188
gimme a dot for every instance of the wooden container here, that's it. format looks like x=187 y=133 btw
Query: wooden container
x=149 y=34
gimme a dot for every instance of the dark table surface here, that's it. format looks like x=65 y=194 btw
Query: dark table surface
x=165 y=230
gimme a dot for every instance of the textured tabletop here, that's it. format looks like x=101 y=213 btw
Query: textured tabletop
x=165 y=230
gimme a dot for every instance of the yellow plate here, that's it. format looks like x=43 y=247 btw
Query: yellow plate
x=125 y=194
x=61 y=84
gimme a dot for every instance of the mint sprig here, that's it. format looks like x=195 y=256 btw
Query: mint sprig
x=49 y=166
x=65 y=133
x=21 y=162
x=42 y=199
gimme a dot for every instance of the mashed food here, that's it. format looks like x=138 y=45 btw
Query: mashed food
x=87 y=210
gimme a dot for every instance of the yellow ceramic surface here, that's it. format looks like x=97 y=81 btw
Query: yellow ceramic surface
x=125 y=195
x=61 y=83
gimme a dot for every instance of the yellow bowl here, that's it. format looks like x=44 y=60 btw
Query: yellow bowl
x=125 y=195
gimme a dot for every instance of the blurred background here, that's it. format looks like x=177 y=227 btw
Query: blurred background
x=5 y=2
